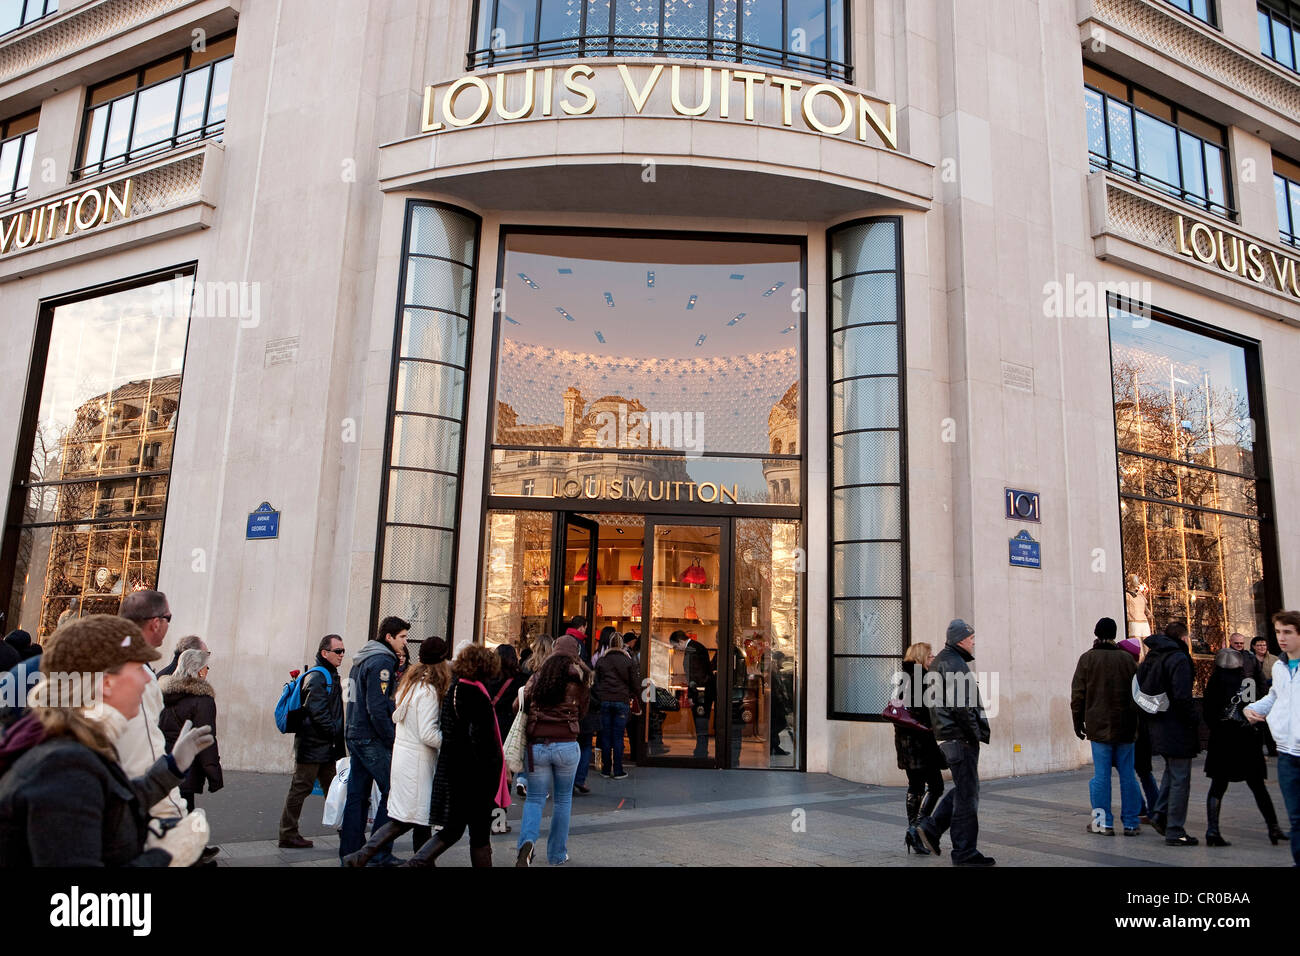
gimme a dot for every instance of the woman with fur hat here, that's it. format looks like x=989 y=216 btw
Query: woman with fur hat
x=415 y=751
x=64 y=798
x=187 y=695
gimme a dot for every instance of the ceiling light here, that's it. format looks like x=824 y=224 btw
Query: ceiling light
x=511 y=321
x=565 y=313
x=737 y=318
x=529 y=282
x=690 y=303
x=773 y=289
x=609 y=299
x=700 y=341
x=565 y=271
x=600 y=338
x=650 y=279
x=737 y=276
x=789 y=328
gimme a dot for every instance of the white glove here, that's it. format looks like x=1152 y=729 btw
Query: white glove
x=184 y=842
x=190 y=743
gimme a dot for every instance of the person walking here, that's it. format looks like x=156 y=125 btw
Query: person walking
x=370 y=733
x=541 y=649
x=1101 y=703
x=190 y=642
x=418 y=737
x=1142 y=747
x=65 y=799
x=589 y=726
x=1281 y=708
x=1164 y=693
x=318 y=741
x=189 y=698
x=617 y=683
x=1264 y=661
x=578 y=631
x=555 y=702
x=1233 y=754
x=918 y=752
x=471 y=781
x=960 y=726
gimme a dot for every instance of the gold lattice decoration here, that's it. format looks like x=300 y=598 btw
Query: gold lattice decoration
x=96 y=22
x=1138 y=218
x=164 y=186
x=1154 y=23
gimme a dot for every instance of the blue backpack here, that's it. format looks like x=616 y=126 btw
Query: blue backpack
x=288 y=710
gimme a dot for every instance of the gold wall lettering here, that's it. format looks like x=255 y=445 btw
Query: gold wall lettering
x=84 y=210
x=1229 y=253
x=470 y=99
x=641 y=489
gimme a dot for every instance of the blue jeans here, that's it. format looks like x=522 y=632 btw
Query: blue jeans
x=1288 y=779
x=959 y=808
x=554 y=768
x=613 y=721
x=1149 y=793
x=1119 y=756
x=368 y=764
x=584 y=758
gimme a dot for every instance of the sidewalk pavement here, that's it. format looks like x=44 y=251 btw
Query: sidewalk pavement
x=662 y=817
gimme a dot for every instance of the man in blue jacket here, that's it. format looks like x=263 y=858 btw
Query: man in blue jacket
x=370 y=732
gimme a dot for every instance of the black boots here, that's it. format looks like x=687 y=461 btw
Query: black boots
x=430 y=852
x=912 y=840
x=380 y=840
x=931 y=801
x=1212 y=835
x=480 y=855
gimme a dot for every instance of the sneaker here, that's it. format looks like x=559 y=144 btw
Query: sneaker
x=521 y=789
x=562 y=862
x=1132 y=831
x=609 y=776
x=1183 y=840
x=525 y=854
x=621 y=776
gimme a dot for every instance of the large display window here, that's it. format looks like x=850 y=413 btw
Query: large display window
x=87 y=506
x=1195 y=513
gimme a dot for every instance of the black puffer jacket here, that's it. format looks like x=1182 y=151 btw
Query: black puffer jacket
x=192 y=699
x=1101 y=694
x=960 y=715
x=1166 y=676
x=62 y=804
x=320 y=735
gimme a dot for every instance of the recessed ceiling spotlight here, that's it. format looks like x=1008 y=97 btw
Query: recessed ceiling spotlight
x=737 y=276
x=737 y=318
x=773 y=289
x=690 y=303
x=565 y=271
x=565 y=313
x=700 y=341
x=789 y=328
x=609 y=299
x=600 y=338
x=650 y=279
x=529 y=282
x=511 y=321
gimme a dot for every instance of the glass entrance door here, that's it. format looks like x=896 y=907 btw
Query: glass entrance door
x=580 y=573
x=685 y=597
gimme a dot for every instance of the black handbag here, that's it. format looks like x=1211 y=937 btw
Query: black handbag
x=1233 y=712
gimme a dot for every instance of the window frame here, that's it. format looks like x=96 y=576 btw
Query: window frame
x=1289 y=231
x=903 y=484
x=13 y=192
x=1212 y=18
x=607 y=42
x=125 y=159
x=1289 y=13
x=49 y=8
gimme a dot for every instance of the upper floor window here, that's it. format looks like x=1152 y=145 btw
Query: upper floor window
x=1286 y=185
x=805 y=35
x=1136 y=134
x=17 y=144
x=15 y=14
x=171 y=102
x=1201 y=9
x=1279 y=31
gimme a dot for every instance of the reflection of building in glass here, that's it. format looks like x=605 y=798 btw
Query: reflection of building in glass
x=113 y=468
x=782 y=474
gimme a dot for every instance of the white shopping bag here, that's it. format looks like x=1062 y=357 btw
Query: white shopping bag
x=337 y=798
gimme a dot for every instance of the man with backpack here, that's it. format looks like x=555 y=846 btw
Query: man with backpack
x=318 y=741
x=370 y=733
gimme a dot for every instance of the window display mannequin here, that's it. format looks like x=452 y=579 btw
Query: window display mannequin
x=1138 y=609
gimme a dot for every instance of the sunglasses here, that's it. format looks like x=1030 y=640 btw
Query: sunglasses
x=164 y=617
x=336 y=650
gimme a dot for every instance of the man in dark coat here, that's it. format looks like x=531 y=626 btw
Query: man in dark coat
x=318 y=741
x=1101 y=702
x=960 y=726
x=1164 y=693
x=370 y=732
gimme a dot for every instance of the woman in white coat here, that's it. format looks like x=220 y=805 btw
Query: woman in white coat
x=415 y=751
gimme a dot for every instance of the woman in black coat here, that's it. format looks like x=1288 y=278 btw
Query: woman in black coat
x=471 y=775
x=187 y=695
x=1234 y=754
x=918 y=752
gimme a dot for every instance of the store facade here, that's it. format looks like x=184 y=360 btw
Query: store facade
x=733 y=326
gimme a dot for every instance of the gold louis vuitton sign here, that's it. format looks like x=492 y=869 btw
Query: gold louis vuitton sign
x=643 y=489
x=713 y=91
x=67 y=216
x=1230 y=253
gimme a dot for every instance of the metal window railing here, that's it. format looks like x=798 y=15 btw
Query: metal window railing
x=100 y=132
x=723 y=40
x=1192 y=152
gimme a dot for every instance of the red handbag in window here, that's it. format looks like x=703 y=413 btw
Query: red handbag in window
x=690 y=612
x=582 y=573
x=694 y=574
x=636 y=610
x=636 y=570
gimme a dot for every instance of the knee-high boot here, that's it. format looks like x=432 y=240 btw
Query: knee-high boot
x=912 y=840
x=914 y=808
x=1265 y=804
x=1212 y=835
x=480 y=855
x=380 y=840
x=932 y=796
x=429 y=852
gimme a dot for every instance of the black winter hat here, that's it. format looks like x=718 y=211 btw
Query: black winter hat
x=1105 y=629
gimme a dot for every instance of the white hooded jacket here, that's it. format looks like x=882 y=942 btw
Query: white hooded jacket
x=1282 y=708
x=142 y=743
x=415 y=755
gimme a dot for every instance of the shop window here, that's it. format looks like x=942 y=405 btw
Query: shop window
x=86 y=515
x=1201 y=9
x=1194 y=491
x=1138 y=135
x=17 y=146
x=16 y=14
x=178 y=100
x=1286 y=187
x=868 y=554
x=1279 y=32
x=803 y=35
x=415 y=564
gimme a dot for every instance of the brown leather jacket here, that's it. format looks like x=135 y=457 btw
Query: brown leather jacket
x=557 y=723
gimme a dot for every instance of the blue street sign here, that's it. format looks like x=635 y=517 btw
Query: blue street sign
x=1025 y=551
x=263 y=523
